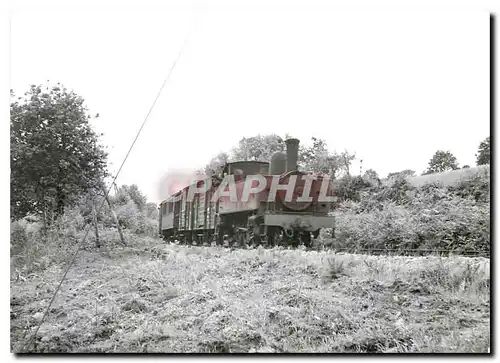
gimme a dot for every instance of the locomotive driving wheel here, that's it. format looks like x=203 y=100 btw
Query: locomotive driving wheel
x=290 y=237
x=273 y=235
x=305 y=238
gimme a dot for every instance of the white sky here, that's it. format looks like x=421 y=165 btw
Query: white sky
x=393 y=87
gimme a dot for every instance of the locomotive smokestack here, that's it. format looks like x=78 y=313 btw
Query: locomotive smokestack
x=292 y=154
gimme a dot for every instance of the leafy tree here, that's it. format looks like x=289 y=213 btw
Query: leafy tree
x=127 y=193
x=442 y=161
x=258 y=148
x=55 y=154
x=347 y=159
x=371 y=176
x=216 y=163
x=151 y=210
x=483 y=155
x=136 y=195
x=255 y=148
x=317 y=158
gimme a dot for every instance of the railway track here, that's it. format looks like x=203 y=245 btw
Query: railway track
x=318 y=245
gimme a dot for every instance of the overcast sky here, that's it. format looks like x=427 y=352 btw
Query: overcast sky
x=393 y=87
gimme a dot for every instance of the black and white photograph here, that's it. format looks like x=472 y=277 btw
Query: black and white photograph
x=216 y=177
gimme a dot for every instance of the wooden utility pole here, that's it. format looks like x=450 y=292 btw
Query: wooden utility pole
x=113 y=214
x=94 y=217
x=115 y=218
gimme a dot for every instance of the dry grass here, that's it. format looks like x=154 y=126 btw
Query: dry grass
x=168 y=298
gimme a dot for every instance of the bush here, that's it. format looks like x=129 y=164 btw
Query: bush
x=131 y=218
x=476 y=188
x=432 y=217
x=33 y=249
x=349 y=188
x=388 y=228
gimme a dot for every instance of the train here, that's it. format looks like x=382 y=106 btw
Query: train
x=251 y=203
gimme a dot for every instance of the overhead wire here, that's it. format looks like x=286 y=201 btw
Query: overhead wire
x=80 y=244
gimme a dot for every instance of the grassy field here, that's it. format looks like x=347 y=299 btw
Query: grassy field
x=168 y=298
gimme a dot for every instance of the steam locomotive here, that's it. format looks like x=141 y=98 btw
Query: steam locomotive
x=251 y=202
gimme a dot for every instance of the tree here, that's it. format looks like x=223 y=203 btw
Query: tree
x=55 y=154
x=258 y=148
x=136 y=195
x=442 y=161
x=483 y=155
x=255 y=148
x=126 y=193
x=315 y=158
x=347 y=159
x=213 y=167
x=318 y=159
x=371 y=176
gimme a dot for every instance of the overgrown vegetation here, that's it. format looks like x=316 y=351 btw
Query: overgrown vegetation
x=34 y=248
x=401 y=217
x=169 y=298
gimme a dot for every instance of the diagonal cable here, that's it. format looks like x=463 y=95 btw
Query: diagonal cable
x=27 y=345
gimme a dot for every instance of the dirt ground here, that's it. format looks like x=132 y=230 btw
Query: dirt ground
x=160 y=297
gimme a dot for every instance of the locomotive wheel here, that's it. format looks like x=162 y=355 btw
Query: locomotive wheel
x=316 y=234
x=305 y=238
x=239 y=239
x=272 y=236
x=291 y=239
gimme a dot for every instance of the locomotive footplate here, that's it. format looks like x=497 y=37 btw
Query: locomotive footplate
x=303 y=222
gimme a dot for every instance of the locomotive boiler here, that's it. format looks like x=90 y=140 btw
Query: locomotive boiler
x=252 y=202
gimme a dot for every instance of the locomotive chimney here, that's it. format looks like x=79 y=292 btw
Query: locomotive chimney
x=292 y=154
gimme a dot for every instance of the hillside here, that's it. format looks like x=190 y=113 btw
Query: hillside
x=160 y=297
x=446 y=178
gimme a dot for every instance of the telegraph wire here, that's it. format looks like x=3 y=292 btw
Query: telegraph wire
x=80 y=244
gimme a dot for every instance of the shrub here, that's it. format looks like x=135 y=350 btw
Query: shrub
x=476 y=188
x=33 y=249
x=388 y=228
x=430 y=217
x=130 y=217
x=349 y=188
